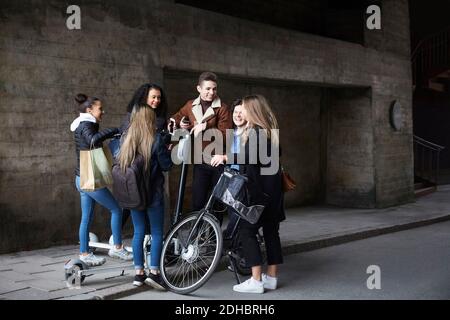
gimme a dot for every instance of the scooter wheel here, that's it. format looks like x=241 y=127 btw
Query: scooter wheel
x=71 y=269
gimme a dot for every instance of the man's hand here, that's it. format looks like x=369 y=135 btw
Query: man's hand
x=198 y=128
x=184 y=123
x=218 y=160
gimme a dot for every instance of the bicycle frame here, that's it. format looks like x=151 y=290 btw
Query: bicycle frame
x=207 y=209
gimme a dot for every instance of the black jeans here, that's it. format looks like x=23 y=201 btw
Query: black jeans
x=204 y=179
x=250 y=246
x=233 y=219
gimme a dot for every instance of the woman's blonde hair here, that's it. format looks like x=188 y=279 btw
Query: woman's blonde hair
x=139 y=137
x=260 y=114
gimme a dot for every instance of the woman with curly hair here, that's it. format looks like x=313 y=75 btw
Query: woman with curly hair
x=151 y=95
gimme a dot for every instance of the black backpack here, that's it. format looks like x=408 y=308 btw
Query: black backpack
x=129 y=186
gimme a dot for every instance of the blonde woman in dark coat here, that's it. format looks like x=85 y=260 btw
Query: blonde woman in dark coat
x=266 y=187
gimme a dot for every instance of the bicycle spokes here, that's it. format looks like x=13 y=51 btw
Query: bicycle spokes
x=188 y=266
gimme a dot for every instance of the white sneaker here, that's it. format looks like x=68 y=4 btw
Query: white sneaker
x=250 y=286
x=120 y=253
x=269 y=282
x=92 y=260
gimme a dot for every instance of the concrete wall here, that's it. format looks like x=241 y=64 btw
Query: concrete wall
x=350 y=160
x=123 y=44
x=393 y=150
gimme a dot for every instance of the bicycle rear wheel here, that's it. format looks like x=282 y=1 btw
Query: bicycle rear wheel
x=186 y=266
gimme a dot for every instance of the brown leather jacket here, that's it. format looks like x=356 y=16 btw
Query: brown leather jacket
x=217 y=116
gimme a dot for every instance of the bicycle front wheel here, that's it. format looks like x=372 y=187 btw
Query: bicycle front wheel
x=187 y=265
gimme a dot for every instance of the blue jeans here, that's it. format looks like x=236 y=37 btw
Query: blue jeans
x=88 y=200
x=155 y=215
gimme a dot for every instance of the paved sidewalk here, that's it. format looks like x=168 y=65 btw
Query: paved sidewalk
x=39 y=274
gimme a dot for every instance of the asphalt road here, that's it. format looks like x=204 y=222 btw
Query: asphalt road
x=412 y=264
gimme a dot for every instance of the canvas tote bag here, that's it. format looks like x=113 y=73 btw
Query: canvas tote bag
x=95 y=169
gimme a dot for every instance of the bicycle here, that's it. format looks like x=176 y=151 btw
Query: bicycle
x=193 y=247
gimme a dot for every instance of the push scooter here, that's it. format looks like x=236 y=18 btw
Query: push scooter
x=76 y=270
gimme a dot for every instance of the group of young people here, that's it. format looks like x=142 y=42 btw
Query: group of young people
x=143 y=138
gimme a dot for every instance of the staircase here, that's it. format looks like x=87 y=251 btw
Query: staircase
x=440 y=82
x=426 y=166
x=431 y=62
x=422 y=189
x=430 y=71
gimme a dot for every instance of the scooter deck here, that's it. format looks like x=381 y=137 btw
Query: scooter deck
x=102 y=245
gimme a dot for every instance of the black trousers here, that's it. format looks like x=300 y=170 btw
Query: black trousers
x=204 y=179
x=250 y=246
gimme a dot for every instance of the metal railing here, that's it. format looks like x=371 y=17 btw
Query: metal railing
x=430 y=55
x=426 y=160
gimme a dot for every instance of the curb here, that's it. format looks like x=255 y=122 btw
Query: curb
x=288 y=249
x=118 y=292
x=359 y=235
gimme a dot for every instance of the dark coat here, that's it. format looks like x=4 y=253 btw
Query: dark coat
x=267 y=189
x=87 y=134
x=152 y=183
x=160 y=161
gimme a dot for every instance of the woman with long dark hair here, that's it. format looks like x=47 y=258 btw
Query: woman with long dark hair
x=87 y=136
x=152 y=96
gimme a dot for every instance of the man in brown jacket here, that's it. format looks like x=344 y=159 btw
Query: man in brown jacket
x=205 y=112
